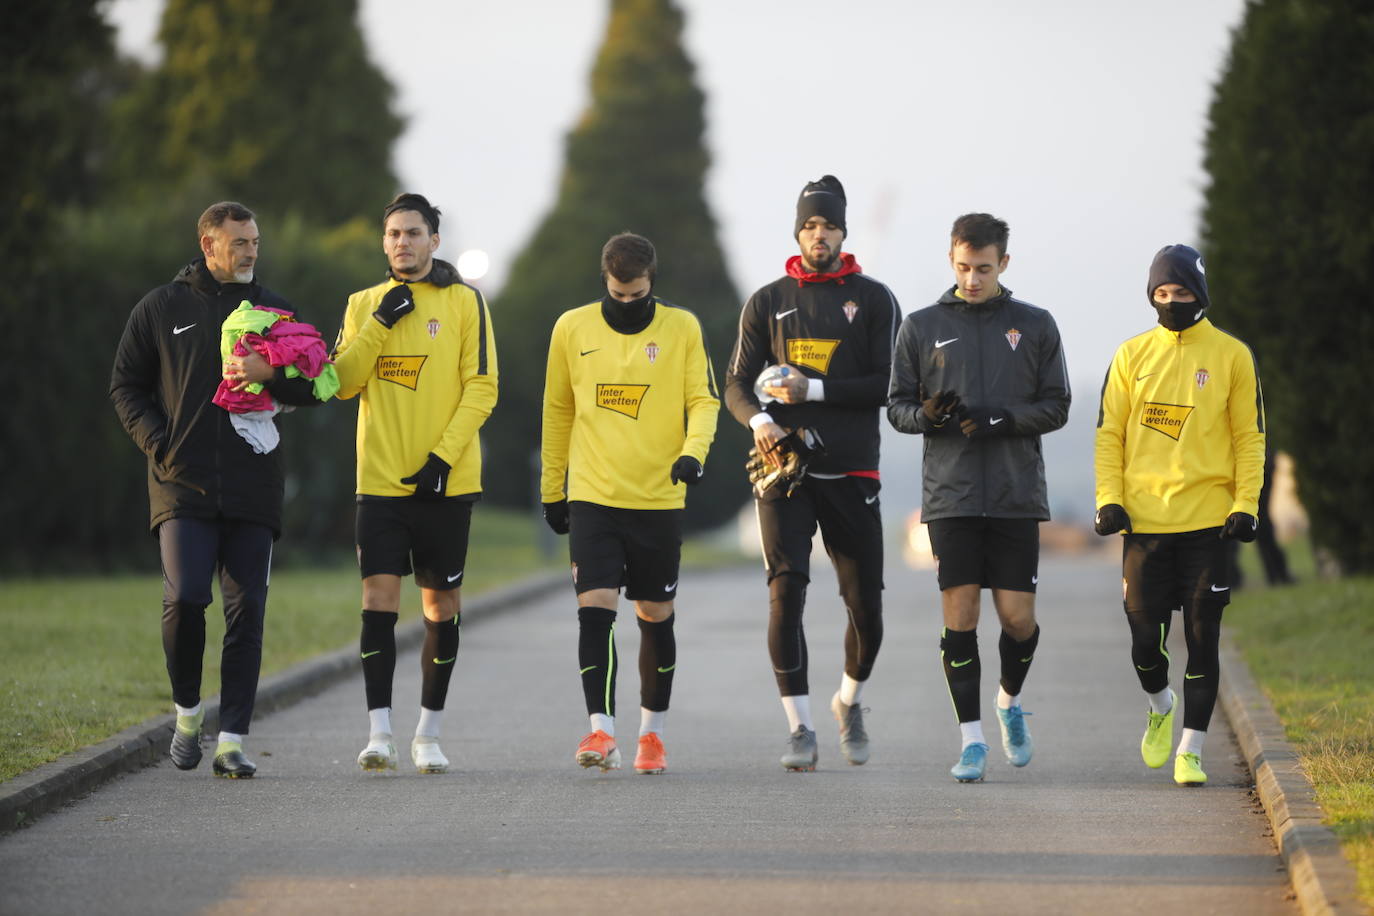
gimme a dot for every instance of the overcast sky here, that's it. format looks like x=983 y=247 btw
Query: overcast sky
x=1080 y=122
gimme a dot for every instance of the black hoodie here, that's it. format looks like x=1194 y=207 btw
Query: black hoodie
x=166 y=370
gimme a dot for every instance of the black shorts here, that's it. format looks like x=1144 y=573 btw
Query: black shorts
x=999 y=553
x=1165 y=571
x=847 y=511
x=393 y=533
x=638 y=549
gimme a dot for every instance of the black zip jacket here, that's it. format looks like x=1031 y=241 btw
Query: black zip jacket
x=1001 y=353
x=839 y=330
x=166 y=370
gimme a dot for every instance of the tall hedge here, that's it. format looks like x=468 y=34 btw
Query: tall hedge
x=635 y=162
x=1289 y=238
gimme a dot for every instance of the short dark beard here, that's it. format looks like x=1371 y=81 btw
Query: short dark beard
x=825 y=268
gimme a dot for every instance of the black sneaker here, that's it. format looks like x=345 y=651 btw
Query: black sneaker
x=185 y=750
x=231 y=764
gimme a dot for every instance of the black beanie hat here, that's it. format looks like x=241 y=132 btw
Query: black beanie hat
x=821 y=198
x=1182 y=265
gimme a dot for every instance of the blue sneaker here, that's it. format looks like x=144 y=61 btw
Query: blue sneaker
x=972 y=762
x=1016 y=739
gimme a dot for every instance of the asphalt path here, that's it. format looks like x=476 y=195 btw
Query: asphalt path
x=517 y=826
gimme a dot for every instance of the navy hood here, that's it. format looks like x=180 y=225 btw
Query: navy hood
x=1182 y=265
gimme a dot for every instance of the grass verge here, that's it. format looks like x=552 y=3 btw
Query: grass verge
x=1308 y=647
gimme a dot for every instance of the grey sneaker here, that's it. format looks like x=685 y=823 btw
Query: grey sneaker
x=185 y=750
x=801 y=753
x=853 y=736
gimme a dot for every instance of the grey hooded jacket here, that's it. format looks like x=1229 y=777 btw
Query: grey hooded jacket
x=1002 y=353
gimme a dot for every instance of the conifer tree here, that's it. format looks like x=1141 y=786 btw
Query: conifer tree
x=1289 y=240
x=635 y=162
x=273 y=103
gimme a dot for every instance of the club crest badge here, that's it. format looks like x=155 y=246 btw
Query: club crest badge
x=1013 y=337
x=651 y=351
x=433 y=328
x=1202 y=376
x=851 y=308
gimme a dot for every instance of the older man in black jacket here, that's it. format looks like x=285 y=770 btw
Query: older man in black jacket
x=215 y=503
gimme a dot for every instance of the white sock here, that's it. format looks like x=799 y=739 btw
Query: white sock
x=1190 y=742
x=188 y=710
x=230 y=738
x=651 y=721
x=1161 y=702
x=798 y=709
x=850 y=690
x=1006 y=700
x=380 y=720
x=603 y=723
x=429 y=723
x=971 y=732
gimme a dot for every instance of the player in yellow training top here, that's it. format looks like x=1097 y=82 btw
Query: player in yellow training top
x=1180 y=458
x=622 y=374
x=418 y=353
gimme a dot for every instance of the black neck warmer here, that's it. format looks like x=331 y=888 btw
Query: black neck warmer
x=628 y=317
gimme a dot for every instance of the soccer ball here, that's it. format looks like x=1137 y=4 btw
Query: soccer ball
x=769 y=378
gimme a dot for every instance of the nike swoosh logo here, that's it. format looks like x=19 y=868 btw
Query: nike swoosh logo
x=870 y=500
x=1192 y=677
x=670 y=586
x=995 y=420
x=372 y=653
x=444 y=661
x=967 y=661
x=942 y=343
x=439 y=488
x=588 y=668
x=809 y=193
x=585 y=352
x=456 y=576
x=1035 y=580
x=187 y=328
x=666 y=670
x=1025 y=661
x=1151 y=668
x=1225 y=589
x=781 y=315
x=1139 y=378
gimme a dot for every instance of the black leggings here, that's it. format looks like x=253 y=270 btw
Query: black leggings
x=1202 y=631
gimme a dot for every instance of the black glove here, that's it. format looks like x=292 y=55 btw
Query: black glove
x=1240 y=526
x=431 y=480
x=397 y=303
x=1110 y=519
x=980 y=422
x=796 y=449
x=556 y=515
x=940 y=406
x=687 y=470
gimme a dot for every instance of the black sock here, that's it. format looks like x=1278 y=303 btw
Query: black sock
x=437 y=659
x=377 y=646
x=963 y=670
x=597 y=659
x=657 y=661
x=1016 y=660
x=786 y=635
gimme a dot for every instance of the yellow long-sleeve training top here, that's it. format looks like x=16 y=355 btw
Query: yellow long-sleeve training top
x=619 y=409
x=426 y=385
x=1180 y=432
